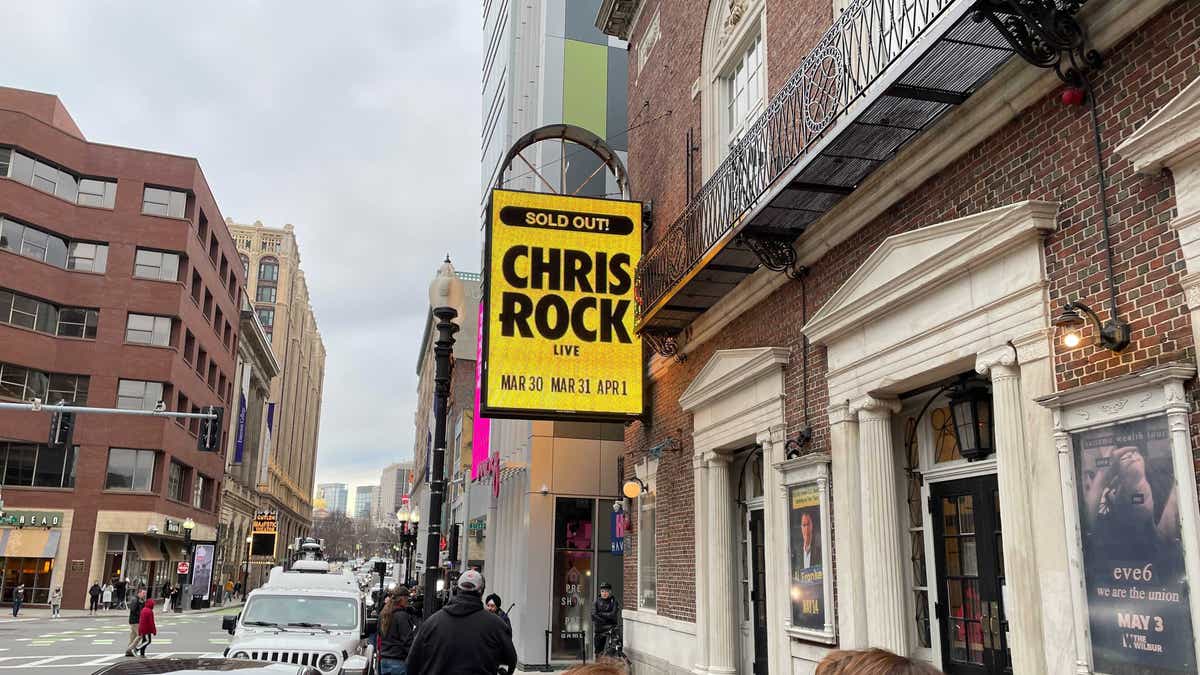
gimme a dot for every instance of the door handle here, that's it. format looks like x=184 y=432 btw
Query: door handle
x=996 y=636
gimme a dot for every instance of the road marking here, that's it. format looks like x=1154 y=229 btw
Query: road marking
x=44 y=661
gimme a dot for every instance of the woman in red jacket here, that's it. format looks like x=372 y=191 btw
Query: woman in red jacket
x=146 y=627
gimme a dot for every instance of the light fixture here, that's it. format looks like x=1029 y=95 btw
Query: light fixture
x=1114 y=334
x=447 y=290
x=669 y=445
x=402 y=516
x=249 y=539
x=415 y=517
x=633 y=488
x=189 y=524
x=971 y=414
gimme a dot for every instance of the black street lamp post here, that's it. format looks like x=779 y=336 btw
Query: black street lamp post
x=185 y=590
x=446 y=299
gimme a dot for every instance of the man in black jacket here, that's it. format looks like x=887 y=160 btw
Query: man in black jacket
x=135 y=613
x=463 y=637
x=606 y=616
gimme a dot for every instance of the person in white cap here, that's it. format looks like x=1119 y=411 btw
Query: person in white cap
x=463 y=637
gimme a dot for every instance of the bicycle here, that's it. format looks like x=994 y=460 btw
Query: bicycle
x=614 y=647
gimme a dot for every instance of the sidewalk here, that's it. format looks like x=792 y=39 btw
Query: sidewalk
x=44 y=612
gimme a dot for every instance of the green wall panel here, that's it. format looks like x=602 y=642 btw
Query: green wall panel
x=585 y=85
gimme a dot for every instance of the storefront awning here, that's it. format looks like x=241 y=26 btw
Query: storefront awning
x=147 y=549
x=29 y=543
x=175 y=551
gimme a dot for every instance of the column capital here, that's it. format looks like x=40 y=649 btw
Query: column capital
x=875 y=408
x=1034 y=346
x=714 y=458
x=775 y=434
x=840 y=413
x=997 y=361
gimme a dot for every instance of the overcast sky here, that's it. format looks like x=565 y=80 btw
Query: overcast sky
x=358 y=122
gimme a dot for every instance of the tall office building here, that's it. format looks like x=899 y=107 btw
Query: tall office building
x=364 y=501
x=279 y=294
x=119 y=288
x=394 y=483
x=335 y=495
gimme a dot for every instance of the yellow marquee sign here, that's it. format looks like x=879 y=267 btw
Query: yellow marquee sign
x=559 y=339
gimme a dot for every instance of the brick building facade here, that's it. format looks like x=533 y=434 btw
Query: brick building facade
x=946 y=254
x=119 y=288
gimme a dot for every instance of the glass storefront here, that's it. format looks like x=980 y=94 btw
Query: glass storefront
x=583 y=558
x=35 y=573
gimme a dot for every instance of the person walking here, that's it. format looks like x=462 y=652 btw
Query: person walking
x=493 y=603
x=135 y=617
x=439 y=647
x=106 y=595
x=174 y=606
x=93 y=598
x=237 y=591
x=18 y=597
x=397 y=627
x=146 y=627
x=166 y=591
x=606 y=616
x=120 y=589
x=56 y=603
x=228 y=591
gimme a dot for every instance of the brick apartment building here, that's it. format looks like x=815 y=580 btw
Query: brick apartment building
x=868 y=216
x=119 y=287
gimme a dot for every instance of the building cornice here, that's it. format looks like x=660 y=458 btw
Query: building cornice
x=616 y=17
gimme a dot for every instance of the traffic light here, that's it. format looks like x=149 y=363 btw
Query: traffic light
x=453 y=548
x=62 y=426
x=210 y=429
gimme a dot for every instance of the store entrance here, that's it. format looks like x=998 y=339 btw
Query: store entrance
x=970 y=576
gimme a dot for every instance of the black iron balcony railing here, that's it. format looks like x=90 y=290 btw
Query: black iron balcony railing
x=833 y=87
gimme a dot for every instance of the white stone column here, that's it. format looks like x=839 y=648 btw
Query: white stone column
x=700 y=492
x=1178 y=414
x=1013 y=469
x=722 y=589
x=883 y=556
x=847 y=532
x=775 y=543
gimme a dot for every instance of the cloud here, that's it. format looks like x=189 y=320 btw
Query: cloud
x=356 y=122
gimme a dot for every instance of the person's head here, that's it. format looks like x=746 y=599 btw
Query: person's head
x=493 y=603
x=806 y=529
x=141 y=594
x=400 y=597
x=872 y=662
x=605 y=590
x=471 y=582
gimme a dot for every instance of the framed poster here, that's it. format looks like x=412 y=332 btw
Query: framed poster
x=1134 y=574
x=810 y=566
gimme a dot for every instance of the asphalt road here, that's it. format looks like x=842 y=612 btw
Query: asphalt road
x=83 y=645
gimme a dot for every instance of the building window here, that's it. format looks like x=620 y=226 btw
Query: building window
x=23 y=384
x=36 y=465
x=266 y=316
x=55 y=181
x=245 y=260
x=49 y=248
x=160 y=202
x=77 y=323
x=138 y=394
x=743 y=90
x=265 y=294
x=175 y=481
x=916 y=534
x=87 y=257
x=156 y=265
x=268 y=269
x=129 y=470
x=646 y=544
x=200 y=492
x=99 y=193
x=145 y=329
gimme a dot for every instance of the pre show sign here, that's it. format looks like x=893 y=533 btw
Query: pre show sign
x=559 y=339
x=807 y=562
x=1136 y=585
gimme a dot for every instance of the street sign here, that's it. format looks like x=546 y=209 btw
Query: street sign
x=182 y=567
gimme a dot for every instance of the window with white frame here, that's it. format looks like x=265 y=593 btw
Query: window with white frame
x=148 y=330
x=138 y=394
x=743 y=88
x=176 y=479
x=161 y=202
x=156 y=265
x=647 y=535
x=129 y=470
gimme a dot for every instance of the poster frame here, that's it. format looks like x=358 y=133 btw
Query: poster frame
x=485 y=408
x=1153 y=392
x=807 y=470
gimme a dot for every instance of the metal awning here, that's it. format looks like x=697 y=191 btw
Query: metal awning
x=147 y=548
x=884 y=73
x=29 y=543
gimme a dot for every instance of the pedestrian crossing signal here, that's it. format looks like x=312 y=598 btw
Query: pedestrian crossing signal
x=62 y=427
x=209 y=439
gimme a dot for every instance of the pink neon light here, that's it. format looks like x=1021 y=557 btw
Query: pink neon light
x=481 y=426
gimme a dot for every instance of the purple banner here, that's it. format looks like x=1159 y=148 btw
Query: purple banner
x=240 y=448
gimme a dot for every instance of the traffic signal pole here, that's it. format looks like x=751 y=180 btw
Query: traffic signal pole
x=60 y=407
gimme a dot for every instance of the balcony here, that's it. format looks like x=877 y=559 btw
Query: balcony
x=882 y=75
